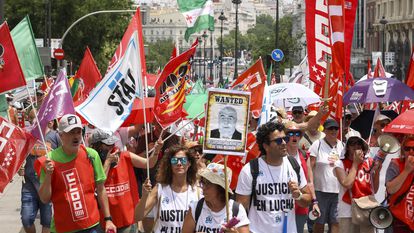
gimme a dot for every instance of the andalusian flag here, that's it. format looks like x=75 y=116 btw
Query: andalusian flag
x=199 y=15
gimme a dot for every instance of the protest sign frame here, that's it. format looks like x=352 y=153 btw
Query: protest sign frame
x=237 y=104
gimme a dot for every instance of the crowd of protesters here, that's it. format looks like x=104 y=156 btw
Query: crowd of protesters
x=300 y=168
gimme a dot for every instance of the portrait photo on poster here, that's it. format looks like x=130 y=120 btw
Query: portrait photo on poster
x=226 y=123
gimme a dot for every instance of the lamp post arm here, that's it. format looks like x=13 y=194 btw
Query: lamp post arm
x=87 y=15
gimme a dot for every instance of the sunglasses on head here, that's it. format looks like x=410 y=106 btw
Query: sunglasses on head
x=297 y=112
x=294 y=133
x=408 y=148
x=175 y=160
x=279 y=141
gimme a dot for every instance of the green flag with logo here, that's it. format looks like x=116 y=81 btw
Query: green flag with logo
x=198 y=14
x=26 y=49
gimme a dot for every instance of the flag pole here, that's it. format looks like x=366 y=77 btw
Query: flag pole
x=145 y=126
x=37 y=122
x=226 y=187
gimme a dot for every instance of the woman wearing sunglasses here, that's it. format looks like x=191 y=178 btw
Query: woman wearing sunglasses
x=175 y=190
x=399 y=182
x=209 y=213
x=358 y=176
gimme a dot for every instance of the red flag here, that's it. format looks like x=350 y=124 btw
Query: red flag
x=15 y=144
x=253 y=80
x=88 y=75
x=379 y=69
x=11 y=74
x=318 y=37
x=170 y=89
x=409 y=80
x=369 y=75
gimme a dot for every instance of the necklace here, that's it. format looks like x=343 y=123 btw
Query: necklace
x=175 y=205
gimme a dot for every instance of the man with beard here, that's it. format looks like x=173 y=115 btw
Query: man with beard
x=227 y=120
x=121 y=185
x=69 y=177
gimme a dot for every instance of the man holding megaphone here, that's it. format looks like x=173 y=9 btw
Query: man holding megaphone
x=400 y=187
x=358 y=182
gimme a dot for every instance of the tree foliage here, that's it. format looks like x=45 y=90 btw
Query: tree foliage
x=158 y=54
x=102 y=32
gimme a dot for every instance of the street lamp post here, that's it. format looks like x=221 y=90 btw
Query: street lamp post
x=204 y=56
x=221 y=18
x=237 y=2
x=384 y=22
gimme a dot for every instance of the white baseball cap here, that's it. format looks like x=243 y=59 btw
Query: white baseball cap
x=69 y=122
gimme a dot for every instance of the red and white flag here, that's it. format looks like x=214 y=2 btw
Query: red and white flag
x=379 y=70
x=11 y=74
x=318 y=36
x=15 y=144
x=369 y=74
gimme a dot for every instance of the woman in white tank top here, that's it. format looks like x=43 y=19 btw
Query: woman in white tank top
x=175 y=190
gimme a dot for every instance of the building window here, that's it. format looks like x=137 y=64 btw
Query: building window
x=378 y=11
x=181 y=32
x=152 y=32
x=391 y=9
x=171 y=32
x=410 y=7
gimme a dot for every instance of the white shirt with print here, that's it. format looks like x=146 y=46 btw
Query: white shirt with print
x=323 y=176
x=273 y=196
x=210 y=221
x=173 y=208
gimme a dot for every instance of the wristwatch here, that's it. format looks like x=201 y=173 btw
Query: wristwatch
x=300 y=196
x=109 y=218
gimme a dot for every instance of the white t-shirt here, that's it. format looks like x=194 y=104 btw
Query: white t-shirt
x=344 y=209
x=272 y=194
x=210 y=221
x=324 y=179
x=173 y=208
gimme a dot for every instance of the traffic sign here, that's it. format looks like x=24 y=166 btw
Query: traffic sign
x=59 y=54
x=277 y=55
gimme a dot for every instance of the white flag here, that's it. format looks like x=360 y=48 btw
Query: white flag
x=110 y=103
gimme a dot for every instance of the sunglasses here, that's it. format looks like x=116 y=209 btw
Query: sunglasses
x=294 y=133
x=408 y=148
x=279 y=141
x=297 y=112
x=175 y=160
x=333 y=128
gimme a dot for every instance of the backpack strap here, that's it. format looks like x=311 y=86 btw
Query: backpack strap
x=198 y=209
x=254 y=170
x=295 y=166
x=235 y=208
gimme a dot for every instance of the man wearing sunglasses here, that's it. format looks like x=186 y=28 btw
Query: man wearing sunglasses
x=347 y=131
x=379 y=125
x=399 y=181
x=271 y=205
x=298 y=114
x=323 y=154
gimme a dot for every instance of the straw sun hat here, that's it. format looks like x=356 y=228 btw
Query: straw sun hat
x=214 y=173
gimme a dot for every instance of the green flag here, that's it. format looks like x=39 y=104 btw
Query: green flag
x=26 y=49
x=269 y=74
x=198 y=87
x=3 y=107
x=199 y=15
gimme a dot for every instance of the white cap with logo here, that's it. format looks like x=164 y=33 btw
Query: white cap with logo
x=69 y=122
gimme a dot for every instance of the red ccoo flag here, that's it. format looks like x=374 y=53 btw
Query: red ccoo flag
x=11 y=74
x=379 y=70
x=15 y=144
